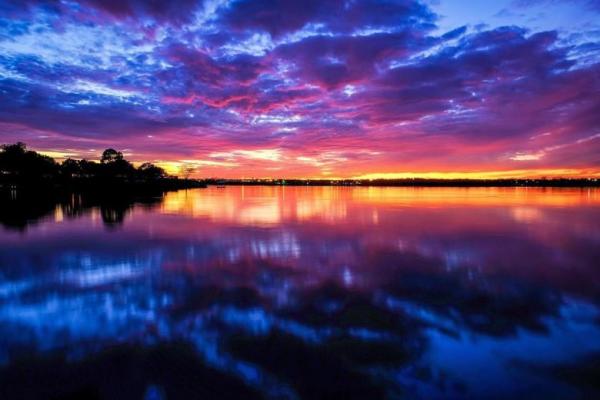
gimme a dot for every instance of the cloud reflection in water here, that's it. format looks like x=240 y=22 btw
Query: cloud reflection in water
x=301 y=292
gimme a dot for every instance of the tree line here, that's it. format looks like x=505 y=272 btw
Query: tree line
x=32 y=185
x=20 y=165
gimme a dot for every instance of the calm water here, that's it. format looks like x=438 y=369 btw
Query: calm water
x=283 y=292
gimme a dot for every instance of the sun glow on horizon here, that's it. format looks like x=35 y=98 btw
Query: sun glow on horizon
x=504 y=174
x=230 y=165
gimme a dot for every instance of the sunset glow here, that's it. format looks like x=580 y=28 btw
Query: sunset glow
x=308 y=89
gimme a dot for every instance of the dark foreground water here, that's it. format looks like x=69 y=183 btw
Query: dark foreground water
x=312 y=293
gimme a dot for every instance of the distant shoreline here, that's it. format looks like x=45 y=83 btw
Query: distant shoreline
x=571 y=183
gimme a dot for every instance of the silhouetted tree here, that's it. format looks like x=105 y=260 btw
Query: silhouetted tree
x=187 y=169
x=121 y=169
x=149 y=171
x=89 y=169
x=20 y=164
x=113 y=165
x=110 y=156
x=18 y=148
x=70 y=168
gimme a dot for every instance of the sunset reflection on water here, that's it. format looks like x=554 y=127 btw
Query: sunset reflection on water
x=274 y=204
x=308 y=292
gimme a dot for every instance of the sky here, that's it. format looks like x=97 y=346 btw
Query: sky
x=308 y=89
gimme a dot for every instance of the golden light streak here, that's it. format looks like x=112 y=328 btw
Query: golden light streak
x=507 y=174
x=268 y=205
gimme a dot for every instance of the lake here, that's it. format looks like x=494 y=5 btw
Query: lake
x=303 y=292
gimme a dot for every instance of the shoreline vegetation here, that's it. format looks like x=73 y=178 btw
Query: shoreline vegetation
x=30 y=171
x=34 y=186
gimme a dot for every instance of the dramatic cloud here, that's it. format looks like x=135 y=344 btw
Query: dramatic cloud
x=292 y=89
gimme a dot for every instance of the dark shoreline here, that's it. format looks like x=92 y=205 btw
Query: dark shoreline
x=102 y=186
x=572 y=183
x=112 y=188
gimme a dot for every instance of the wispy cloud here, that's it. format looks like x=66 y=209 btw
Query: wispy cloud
x=301 y=88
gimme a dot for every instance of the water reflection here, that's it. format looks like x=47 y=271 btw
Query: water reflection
x=283 y=292
x=18 y=209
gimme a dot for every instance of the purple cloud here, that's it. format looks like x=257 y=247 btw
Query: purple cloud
x=360 y=82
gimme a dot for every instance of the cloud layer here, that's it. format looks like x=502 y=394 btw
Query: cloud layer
x=317 y=89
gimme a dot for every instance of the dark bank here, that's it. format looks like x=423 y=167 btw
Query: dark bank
x=23 y=169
